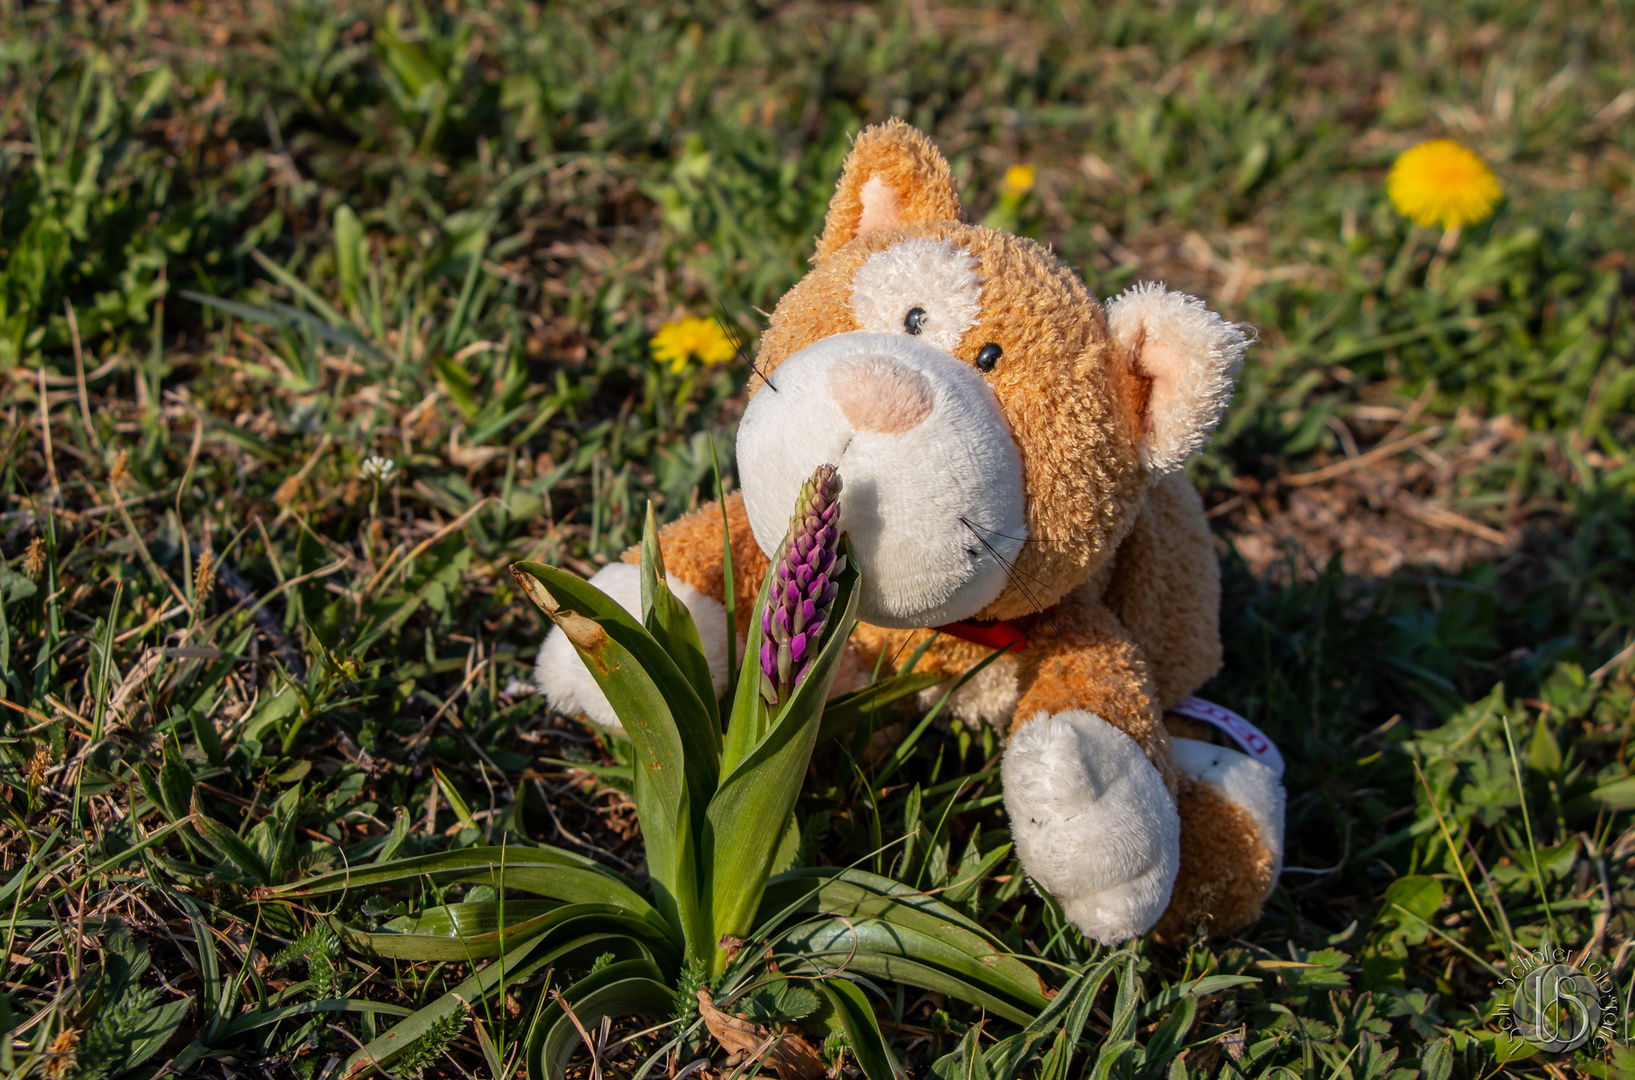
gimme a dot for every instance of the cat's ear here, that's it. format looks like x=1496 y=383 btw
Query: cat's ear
x=1186 y=356
x=893 y=176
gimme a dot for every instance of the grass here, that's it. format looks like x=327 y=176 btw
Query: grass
x=450 y=231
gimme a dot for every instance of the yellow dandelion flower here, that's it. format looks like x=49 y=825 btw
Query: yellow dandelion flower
x=1019 y=179
x=1441 y=183
x=702 y=339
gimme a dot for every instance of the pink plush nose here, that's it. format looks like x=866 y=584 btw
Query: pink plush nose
x=878 y=394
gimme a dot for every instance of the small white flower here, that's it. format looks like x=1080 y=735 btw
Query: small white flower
x=518 y=688
x=377 y=468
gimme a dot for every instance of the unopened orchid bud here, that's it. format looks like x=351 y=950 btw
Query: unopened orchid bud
x=803 y=586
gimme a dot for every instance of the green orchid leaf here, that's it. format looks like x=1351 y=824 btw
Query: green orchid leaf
x=887 y=950
x=671 y=625
x=550 y=1010
x=762 y=786
x=472 y=931
x=852 y=893
x=670 y=728
x=847 y=1011
x=544 y=871
x=516 y=966
x=626 y=994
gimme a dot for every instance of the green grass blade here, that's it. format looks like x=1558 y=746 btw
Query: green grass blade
x=1068 y=1011
x=300 y=289
x=282 y=315
x=848 y=711
x=729 y=583
x=258 y=1018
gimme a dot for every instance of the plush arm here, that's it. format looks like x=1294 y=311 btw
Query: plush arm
x=1089 y=782
x=1086 y=660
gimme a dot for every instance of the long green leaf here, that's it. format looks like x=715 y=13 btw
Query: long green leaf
x=729 y=584
x=549 y=1012
x=1118 y=1041
x=544 y=871
x=626 y=997
x=966 y=1061
x=230 y=844
x=853 y=894
x=744 y=819
x=676 y=763
x=873 y=948
x=749 y=719
x=848 y=1012
x=153 y=1030
x=878 y=948
x=849 y=710
x=565 y=923
x=282 y=315
x=263 y=1017
x=1068 y=1011
x=300 y=288
x=1201 y=987
x=472 y=930
x=671 y=625
x=519 y=964
x=634 y=670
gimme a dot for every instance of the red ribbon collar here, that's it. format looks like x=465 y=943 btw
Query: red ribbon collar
x=995 y=635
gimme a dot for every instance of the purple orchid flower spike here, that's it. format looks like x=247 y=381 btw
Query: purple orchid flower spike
x=803 y=586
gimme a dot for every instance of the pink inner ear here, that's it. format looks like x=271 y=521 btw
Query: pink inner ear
x=880 y=206
x=1164 y=368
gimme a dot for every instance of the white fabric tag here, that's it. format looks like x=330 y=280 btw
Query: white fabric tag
x=1253 y=741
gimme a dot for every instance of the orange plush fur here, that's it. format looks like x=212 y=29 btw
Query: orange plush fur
x=1120 y=598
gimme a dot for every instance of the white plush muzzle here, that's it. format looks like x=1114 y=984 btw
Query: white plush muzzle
x=931 y=493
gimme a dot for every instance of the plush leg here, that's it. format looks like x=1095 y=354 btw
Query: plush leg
x=1231 y=809
x=567 y=684
x=1093 y=822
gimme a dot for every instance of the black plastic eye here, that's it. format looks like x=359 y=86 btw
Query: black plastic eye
x=988 y=357
x=914 y=321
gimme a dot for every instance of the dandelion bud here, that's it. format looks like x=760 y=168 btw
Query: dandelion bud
x=803 y=586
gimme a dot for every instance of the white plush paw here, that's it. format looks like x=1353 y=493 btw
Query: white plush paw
x=1245 y=782
x=1093 y=823
x=567 y=684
